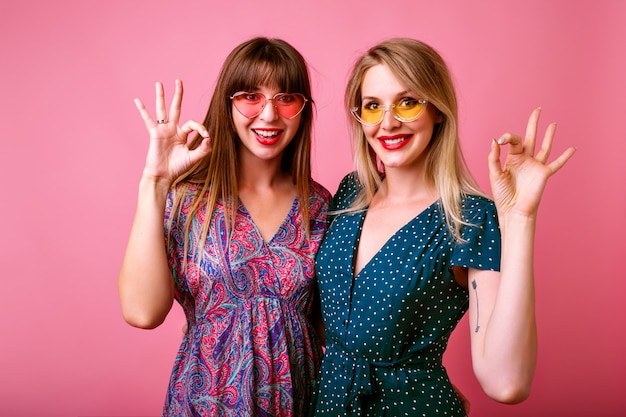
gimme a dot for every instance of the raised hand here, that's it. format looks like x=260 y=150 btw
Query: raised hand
x=518 y=186
x=168 y=154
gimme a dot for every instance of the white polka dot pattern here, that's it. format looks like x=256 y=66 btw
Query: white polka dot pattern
x=388 y=327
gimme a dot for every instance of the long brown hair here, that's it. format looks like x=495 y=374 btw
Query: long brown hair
x=257 y=62
x=422 y=70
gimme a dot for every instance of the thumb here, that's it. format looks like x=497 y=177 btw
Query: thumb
x=202 y=151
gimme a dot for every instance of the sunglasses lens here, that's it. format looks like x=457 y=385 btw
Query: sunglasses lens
x=289 y=105
x=249 y=104
x=408 y=109
x=370 y=115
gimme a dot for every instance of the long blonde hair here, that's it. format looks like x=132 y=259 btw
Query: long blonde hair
x=257 y=62
x=422 y=70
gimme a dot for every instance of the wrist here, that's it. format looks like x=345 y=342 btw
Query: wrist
x=513 y=221
x=151 y=182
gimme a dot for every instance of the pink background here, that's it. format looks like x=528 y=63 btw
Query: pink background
x=73 y=147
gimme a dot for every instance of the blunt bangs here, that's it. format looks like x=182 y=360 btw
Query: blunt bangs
x=271 y=67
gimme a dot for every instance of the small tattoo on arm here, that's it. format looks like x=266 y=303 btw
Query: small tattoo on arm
x=474 y=285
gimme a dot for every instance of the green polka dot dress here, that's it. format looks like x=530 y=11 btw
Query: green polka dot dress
x=388 y=327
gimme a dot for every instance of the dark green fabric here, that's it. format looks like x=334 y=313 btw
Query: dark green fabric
x=388 y=327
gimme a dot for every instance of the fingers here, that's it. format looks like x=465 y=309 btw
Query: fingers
x=204 y=149
x=561 y=160
x=546 y=149
x=161 y=113
x=145 y=115
x=546 y=145
x=526 y=146
x=495 y=168
x=176 y=102
x=516 y=146
x=531 y=132
x=191 y=126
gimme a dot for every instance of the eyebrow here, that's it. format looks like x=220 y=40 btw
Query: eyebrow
x=400 y=94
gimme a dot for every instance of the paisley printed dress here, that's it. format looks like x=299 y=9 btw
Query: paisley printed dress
x=249 y=349
x=387 y=327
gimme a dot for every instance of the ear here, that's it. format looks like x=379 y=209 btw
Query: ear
x=439 y=117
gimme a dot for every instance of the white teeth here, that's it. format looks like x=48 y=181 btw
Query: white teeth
x=394 y=141
x=266 y=133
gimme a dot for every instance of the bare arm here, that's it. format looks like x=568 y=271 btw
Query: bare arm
x=502 y=305
x=145 y=283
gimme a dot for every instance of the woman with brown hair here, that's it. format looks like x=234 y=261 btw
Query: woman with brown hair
x=228 y=226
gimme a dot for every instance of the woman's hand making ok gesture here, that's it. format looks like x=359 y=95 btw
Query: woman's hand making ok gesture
x=168 y=154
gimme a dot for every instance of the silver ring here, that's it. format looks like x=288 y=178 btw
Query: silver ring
x=161 y=121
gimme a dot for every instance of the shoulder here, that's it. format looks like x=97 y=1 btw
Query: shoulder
x=348 y=190
x=318 y=192
x=349 y=182
x=185 y=189
x=480 y=218
x=476 y=206
x=181 y=196
x=480 y=234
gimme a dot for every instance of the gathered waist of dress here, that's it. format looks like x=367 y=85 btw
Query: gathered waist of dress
x=250 y=307
x=419 y=360
x=362 y=375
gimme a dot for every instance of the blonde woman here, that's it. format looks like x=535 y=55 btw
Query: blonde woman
x=414 y=243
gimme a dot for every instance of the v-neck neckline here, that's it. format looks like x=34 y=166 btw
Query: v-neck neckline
x=392 y=237
x=288 y=216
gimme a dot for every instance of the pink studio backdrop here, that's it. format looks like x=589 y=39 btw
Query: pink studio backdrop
x=73 y=147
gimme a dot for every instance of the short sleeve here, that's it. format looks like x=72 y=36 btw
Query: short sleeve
x=481 y=245
x=319 y=200
x=348 y=190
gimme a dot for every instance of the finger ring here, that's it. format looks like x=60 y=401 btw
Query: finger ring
x=161 y=121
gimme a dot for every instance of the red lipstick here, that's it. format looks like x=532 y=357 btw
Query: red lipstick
x=267 y=136
x=394 y=142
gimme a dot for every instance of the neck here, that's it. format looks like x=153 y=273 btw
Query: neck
x=255 y=173
x=405 y=187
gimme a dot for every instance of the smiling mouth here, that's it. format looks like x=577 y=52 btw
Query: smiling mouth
x=394 y=142
x=267 y=136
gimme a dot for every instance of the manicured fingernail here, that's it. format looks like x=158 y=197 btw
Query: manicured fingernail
x=501 y=140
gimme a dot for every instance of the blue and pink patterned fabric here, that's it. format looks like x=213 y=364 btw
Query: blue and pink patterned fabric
x=249 y=349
